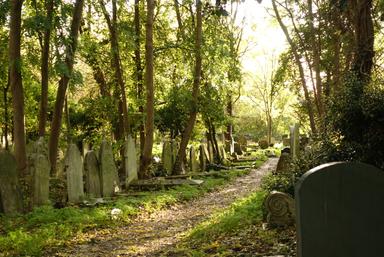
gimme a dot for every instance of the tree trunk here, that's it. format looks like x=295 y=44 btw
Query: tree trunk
x=6 y=114
x=228 y=134
x=179 y=165
x=63 y=84
x=16 y=84
x=300 y=67
x=139 y=73
x=45 y=69
x=146 y=158
x=118 y=72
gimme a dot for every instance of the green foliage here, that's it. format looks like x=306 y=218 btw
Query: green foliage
x=263 y=144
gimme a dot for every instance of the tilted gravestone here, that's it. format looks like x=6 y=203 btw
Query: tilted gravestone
x=194 y=163
x=108 y=170
x=73 y=168
x=39 y=167
x=283 y=165
x=339 y=210
x=202 y=157
x=130 y=160
x=294 y=140
x=92 y=174
x=10 y=192
x=167 y=157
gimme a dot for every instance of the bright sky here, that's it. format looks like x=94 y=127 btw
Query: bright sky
x=262 y=34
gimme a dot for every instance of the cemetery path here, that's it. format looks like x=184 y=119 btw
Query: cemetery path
x=152 y=234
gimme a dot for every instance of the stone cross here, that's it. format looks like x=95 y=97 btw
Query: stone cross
x=109 y=177
x=73 y=168
x=92 y=174
x=339 y=210
x=294 y=140
x=39 y=167
x=11 y=200
x=130 y=161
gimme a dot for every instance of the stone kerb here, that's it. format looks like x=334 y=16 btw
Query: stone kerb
x=339 y=211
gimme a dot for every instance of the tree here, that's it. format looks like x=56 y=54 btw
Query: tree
x=15 y=81
x=179 y=165
x=63 y=83
x=146 y=158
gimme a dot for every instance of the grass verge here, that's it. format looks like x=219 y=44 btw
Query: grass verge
x=44 y=227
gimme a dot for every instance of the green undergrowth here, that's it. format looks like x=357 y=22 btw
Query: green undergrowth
x=235 y=232
x=44 y=227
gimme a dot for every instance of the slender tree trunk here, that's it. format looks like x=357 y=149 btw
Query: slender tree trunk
x=179 y=165
x=118 y=72
x=300 y=67
x=45 y=69
x=63 y=84
x=6 y=114
x=139 y=73
x=16 y=84
x=146 y=159
x=228 y=134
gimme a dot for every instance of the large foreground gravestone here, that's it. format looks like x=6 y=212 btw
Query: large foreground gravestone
x=73 y=167
x=10 y=192
x=130 y=161
x=92 y=174
x=39 y=167
x=108 y=170
x=339 y=209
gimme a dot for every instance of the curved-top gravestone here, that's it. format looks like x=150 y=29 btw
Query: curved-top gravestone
x=10 y=192
x=339 y=210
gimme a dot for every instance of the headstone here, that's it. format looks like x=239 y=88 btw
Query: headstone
x=210 y=156
x=339 y=208
x=202 y=157
x=167 y=157
x=92 y=175
x=73 y=168
x=280 y=208
x=238 y=149
x=39 y=167
x=194 y=164
x=10 y=192
x=284 y=162
x=230 y=146
x=294 y=136
x=242 y=140
x=109 y=177
x=130 y=159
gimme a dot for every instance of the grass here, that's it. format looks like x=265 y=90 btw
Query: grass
x=44 y=227
x=235 y=232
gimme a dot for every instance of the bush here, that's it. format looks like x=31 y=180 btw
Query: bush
x=263 y=144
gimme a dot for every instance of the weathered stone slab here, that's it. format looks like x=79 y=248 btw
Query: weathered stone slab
x=167 y=157
x=193 y=161
x=339 y=208
x=130 y=159
x=92 y=174
x=109 y=177
x=39 y=167
x=295 y=140
x=202 y=157
x=73 y=168
x=10 y=192
x=238 y=149
x=280 y=208
x=283 y=165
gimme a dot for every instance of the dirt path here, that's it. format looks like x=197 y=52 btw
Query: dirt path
x=151 y=234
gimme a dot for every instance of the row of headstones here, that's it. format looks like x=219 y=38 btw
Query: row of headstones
x=197 y=160
x=101 y=177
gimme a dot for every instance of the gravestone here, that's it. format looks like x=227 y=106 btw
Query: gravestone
x=108 y=170
x=194 y=164
x=242 y=140
x=73 y=168
x=11 y=200
x=167 y=157
x=202 y=157
x=92 y=174
x=280 y=209
x=294 y=140
x=210 y=155
x=130 y=159
x=238 y=149
x=39 y=167
x=283 y=165
x=339 y=208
